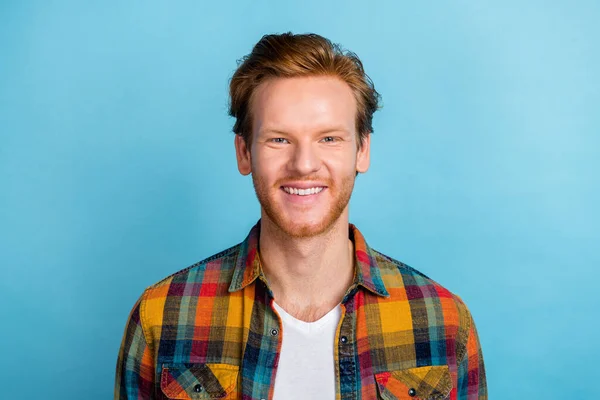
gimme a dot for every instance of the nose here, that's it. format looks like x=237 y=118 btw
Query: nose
x=305 y=159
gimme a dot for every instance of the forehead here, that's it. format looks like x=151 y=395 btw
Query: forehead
x=303 y=104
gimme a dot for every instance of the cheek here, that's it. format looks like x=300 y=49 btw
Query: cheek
x=266 y=170
x=343 y=165
x=269 y=162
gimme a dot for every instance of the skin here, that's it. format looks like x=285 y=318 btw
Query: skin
x=304 y=134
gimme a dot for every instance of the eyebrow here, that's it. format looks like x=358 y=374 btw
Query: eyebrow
x=321 y=132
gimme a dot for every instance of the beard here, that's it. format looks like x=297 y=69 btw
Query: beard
x=274 y=211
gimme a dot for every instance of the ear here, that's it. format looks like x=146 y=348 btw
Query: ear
x=363 y=156
x=242 y=153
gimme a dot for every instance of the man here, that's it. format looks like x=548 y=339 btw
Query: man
x=303 y=308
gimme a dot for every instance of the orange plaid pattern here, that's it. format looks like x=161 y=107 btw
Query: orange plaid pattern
x=210 y=331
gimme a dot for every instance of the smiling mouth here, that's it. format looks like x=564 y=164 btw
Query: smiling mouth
x=303 y=192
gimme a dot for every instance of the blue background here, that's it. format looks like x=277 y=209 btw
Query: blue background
x=117 y=168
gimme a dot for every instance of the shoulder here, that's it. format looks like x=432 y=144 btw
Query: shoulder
x=223 y=262
x=404 y=282
x=213 y=272
x=396 y=274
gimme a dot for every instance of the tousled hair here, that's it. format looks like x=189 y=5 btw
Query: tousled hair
x=290 y=55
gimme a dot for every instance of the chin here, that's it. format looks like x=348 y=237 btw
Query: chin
x=304 y=230
x=321 y=221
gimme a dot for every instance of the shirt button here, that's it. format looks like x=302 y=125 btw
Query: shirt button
x=412 y=392
x=344 y=339
x=274 y=332
x=198 y=388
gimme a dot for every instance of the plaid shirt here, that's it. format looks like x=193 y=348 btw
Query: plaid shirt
x=210 y=331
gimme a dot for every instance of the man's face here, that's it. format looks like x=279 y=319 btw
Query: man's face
x=304 y=153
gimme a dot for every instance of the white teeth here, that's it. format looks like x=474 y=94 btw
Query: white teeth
x=303 y=192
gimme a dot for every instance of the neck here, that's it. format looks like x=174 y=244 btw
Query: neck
x=308 y=276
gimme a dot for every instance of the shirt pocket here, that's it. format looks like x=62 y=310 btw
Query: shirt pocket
x=199 y=381
x=421 y=383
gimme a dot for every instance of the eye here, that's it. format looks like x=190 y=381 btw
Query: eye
x=329 y=139
x=278 y=140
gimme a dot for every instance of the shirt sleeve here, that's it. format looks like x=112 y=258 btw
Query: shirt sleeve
x=472 y=384
x=135 y=365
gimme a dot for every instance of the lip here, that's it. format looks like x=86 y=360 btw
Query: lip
x=303 y=185
x=303 y=200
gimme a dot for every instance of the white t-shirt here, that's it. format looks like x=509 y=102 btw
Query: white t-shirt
x=306 y=367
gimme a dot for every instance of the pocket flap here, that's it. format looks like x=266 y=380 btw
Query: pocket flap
x=421 y=383
x=198 y=381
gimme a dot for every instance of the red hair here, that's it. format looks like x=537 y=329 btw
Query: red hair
x=287 y=56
